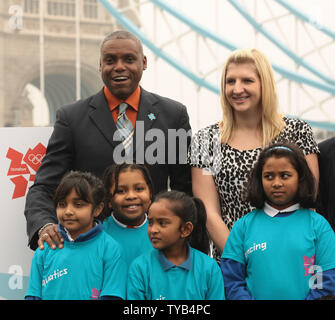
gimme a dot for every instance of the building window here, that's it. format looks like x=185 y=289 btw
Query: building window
x=31 y=6
x=63 y=8
x=90 y=9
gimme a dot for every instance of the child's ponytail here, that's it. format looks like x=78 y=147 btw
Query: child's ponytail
x=199 y=238
x=192 y=210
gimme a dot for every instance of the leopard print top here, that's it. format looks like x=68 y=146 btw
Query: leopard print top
x=230 y=167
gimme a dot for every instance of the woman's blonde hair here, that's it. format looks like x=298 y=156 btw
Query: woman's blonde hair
x=272 y=121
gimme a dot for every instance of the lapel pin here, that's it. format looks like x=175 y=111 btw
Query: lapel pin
x=151 y=116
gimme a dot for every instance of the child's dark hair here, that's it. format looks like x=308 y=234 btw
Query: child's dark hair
x=111 y=178
x=189 y=209
x=88 y=187
x=112 y=172
x=306 y=188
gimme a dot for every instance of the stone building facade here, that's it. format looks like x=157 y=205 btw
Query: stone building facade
x=22 y=46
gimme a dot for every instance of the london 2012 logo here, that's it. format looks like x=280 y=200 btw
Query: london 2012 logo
x=24 y=164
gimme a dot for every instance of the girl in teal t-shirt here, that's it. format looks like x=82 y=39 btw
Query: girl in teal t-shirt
x=130 y=189
x=89 y=266
x=282 y=249
x=179 y=267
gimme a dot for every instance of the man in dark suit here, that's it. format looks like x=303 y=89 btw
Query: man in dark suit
x=326 y=196
x=86 y=138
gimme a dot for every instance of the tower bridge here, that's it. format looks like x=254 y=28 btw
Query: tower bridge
x=45 y=41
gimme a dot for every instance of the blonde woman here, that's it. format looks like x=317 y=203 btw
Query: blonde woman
x=223 y=154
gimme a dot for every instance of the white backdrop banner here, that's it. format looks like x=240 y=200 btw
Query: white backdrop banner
x=21 y=153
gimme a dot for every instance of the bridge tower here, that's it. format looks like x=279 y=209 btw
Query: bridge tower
x=45 y=40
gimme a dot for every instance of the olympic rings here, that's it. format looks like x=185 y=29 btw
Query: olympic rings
x=35 y=158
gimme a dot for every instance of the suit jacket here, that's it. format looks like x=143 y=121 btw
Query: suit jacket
x=83 y=139
x=326 y=196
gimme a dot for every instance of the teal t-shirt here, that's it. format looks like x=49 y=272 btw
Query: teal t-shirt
x=152 y=277
x=80 y=271
x=133 y=241
x=281 y=253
